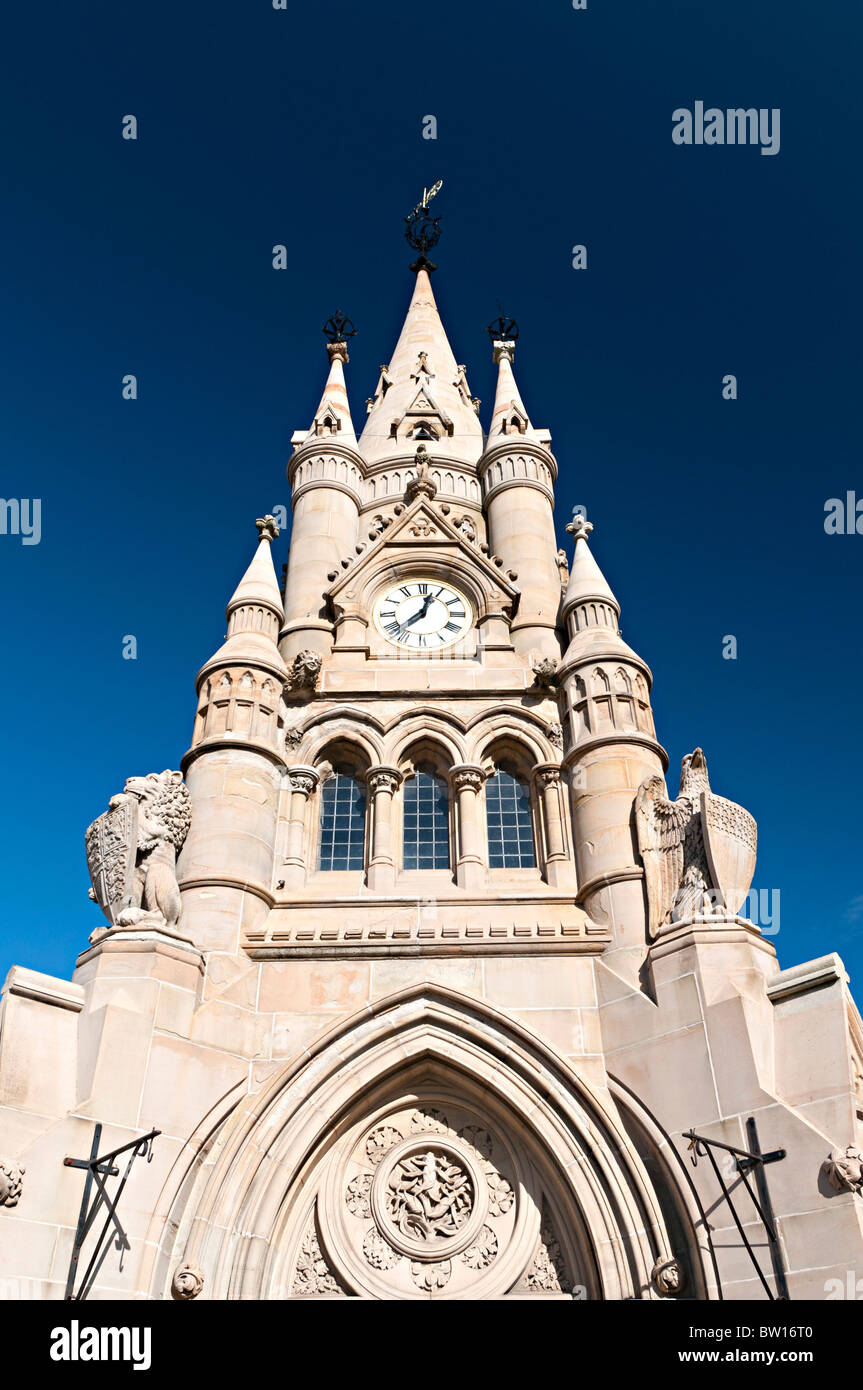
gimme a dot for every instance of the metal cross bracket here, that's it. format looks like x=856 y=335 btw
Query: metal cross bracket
x=747 y=1160
x=98 y=1169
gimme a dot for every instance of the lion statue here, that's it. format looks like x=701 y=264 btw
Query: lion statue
x=132 y=851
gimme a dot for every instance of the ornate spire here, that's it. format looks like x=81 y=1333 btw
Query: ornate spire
x=422 y=395
x=333 y=416
x=255 y=612
x=509 y=415
x=586 y=580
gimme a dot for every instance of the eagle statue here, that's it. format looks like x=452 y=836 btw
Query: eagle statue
x=698 y=851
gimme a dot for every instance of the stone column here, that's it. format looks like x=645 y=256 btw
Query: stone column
x=467 y=781
x=382 y=782
x=559 y=869
x=303 y=781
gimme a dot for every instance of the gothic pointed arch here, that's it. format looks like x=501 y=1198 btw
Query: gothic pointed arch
x=429 y=1146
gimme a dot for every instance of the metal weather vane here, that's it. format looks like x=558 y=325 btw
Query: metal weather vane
x=338 y=328
x=503 y=329
x=422 y=231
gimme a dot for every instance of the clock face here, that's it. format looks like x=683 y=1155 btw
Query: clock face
x=423 y=614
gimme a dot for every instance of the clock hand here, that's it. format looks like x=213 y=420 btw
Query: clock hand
x=421 y=612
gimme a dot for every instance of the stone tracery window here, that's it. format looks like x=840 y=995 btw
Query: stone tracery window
x=342 y=832
x=425 y=843
x=509 y=822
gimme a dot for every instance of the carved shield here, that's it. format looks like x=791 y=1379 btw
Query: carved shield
x=731 y=842
x=111 y=843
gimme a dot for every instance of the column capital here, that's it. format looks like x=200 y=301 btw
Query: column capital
x=547 y=774
x=303 y=779
x=383 y=778
x=469 y=775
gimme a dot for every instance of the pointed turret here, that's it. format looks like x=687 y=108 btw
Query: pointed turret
x=612 y=749
x=326 y=474
x=234 y=767
x=254 y=613
x=509 y=415
x=422 y=393
x=518 y=472
x=333 y=416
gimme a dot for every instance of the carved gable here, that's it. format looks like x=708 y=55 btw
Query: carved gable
x=424 y=535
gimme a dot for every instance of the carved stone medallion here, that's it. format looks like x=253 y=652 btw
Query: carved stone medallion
x=429 y=1197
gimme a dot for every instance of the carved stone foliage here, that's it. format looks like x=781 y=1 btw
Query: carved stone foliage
x=11 y=1182
x=305 y=670
x=313 y=1276
x=547 y=1272
x=188 y=1281
x=843 y=1169
x=132 y=851
x=698 y=851
x=425 y=1205
x=554 y=734
x=429 y=1197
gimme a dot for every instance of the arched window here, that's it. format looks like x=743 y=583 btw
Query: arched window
x=509 y=821
x=342 y=839
x=425 y=843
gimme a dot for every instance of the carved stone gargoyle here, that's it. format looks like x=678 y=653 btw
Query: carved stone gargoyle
x=132 y=851
x=698 y=851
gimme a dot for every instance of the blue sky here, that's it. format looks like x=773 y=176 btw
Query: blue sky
x=304 y=127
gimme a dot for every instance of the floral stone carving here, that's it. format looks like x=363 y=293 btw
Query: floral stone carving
x=313 y=1275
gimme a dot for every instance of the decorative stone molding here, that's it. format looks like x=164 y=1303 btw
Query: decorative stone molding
x=11 y=1182
x=303 y=780
x=467 y=776
x=293 y=738
x=548 y=775
x=132 y=851
x=188 y=1281
x=305 y=670
x=383 y=779
x=668 y=1278
x=843 y=1169
x=554 y=734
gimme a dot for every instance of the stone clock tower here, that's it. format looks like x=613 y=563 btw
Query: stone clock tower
x=415 y=965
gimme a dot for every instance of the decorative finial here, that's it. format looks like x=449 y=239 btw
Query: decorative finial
x=267 y=528
x=338 y=328
x=503 y=329
x=422 y=231
x=579 y=527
